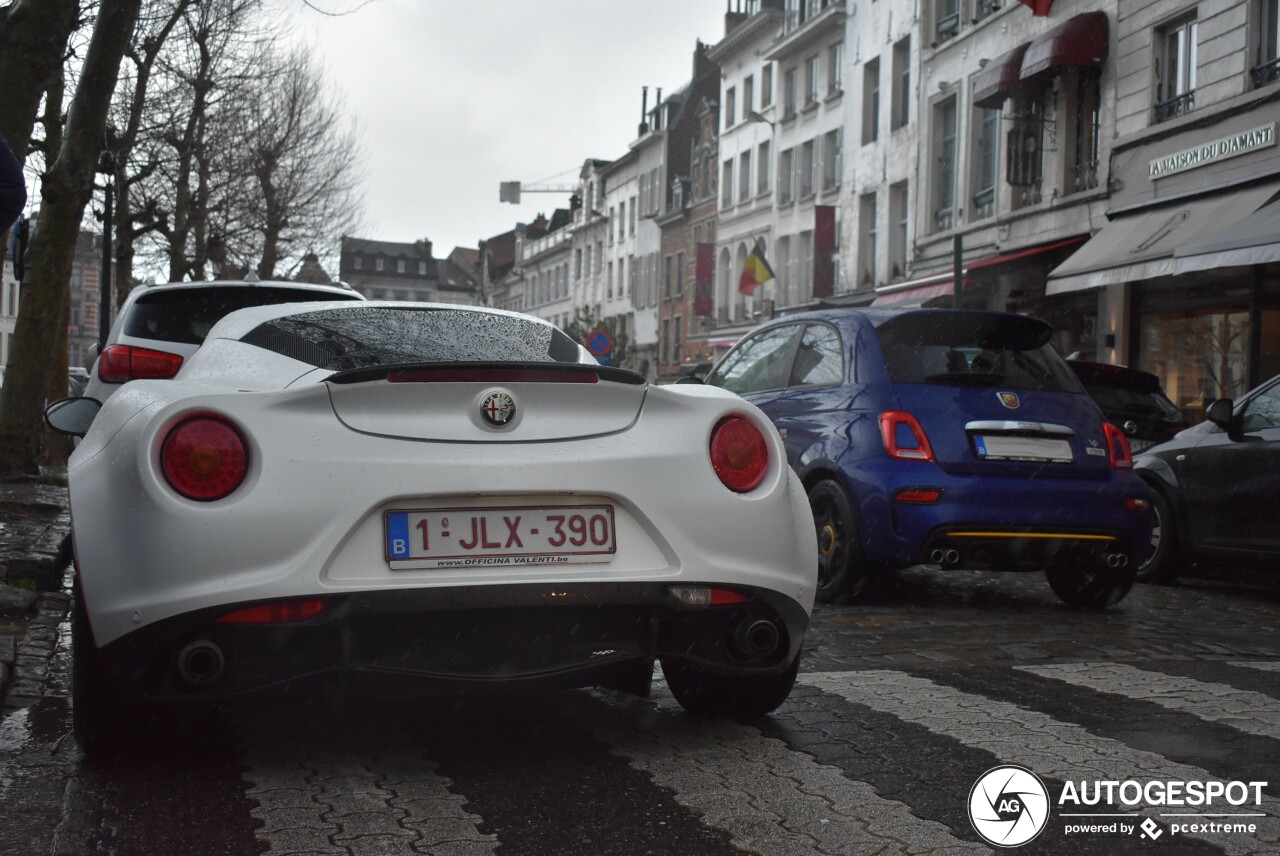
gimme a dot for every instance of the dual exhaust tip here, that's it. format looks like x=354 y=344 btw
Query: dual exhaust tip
x=949 y=556
x=1117 y=560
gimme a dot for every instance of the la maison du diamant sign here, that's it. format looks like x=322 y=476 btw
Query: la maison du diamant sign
x=1218 y=150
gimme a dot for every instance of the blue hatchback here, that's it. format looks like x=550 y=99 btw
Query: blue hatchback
x=954 y=438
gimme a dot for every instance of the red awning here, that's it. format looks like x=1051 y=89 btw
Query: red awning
x=999 y=77
x=911 y=297
x=1018 y=255
x=1078 y=42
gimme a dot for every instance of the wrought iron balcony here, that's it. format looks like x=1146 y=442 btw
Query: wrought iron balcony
x=1086 y=175
x=1265 y=74
x=1177 y=106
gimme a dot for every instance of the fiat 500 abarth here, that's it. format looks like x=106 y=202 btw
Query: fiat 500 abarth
x=416 y=498
x=951 y=438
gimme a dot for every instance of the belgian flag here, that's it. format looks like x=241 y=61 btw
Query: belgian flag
x=754 y=271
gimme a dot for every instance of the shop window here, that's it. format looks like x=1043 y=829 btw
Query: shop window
x=1199 y=355
x=1175 y=68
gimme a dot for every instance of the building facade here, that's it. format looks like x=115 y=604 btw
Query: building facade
x=388 y=270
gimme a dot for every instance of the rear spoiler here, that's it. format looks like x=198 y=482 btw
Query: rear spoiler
x=489 y=372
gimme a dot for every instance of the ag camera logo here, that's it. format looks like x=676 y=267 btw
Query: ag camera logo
x=1008 y=806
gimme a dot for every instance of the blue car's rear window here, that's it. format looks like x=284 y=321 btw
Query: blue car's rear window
x=974 y=349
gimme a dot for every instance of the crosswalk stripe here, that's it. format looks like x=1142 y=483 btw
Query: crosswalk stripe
x=769 y=798
x=321 y=793
x=1250 y=712
x=1263 y=665
x=1054 y=749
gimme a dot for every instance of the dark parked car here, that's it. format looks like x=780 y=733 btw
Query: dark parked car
x=953 y=438
x=1133 y=401
x=1217 y=488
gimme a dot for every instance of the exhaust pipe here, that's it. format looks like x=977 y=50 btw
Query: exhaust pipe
x=1117 y=560
x=201 y=662
x=936 y=555
x=952 y=557
x=757 y=638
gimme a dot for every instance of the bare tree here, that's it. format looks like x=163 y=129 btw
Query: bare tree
x=301 y=165
x=65 y=191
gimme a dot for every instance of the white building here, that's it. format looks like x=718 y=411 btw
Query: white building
x=542 y=271
x=749 y=116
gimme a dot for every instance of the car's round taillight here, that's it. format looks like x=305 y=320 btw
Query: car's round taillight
x=204 y=458
x=739 y=453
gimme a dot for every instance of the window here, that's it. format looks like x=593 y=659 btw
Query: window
x=608 y=278
x=577 y=264
x=944 y=166
x=946 y=21
x=1267 y=69
x=676 y=323
x=819 y=361
x=789 y=93
x=986 y=156
x=357 y=262
x=832 y=158
x=835 y=66
x=763 y=164
x=811 y=81
x=611 y=222
x=808 y=163
x=984 y=8
x=900 y=109
x=379 y=263
x=729 y=96
x=666 y=340
x=634 y=212
x=766 y=85
x=399 y=265
x=726 y=185
x=422 y=268
x=786 y=176
x=898 y=222
x=748 y=95
x=1084 y=92
x=668 y=268
x=744 y=176
x=761 y=362
x=1023 y=147
x=679 y=282
x=631 y=277
x=870 y=101
x=1175 y=47
x=867 y=239
x=599 y=255
x=783 y=269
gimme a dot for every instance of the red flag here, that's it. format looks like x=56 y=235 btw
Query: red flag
x=1039 y=8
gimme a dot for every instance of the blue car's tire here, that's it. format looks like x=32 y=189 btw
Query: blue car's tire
x=844 y=574
x=1088 y=586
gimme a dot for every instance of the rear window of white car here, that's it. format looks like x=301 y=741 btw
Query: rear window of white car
x=187 y=314
x=973 y=349
x=369 y=336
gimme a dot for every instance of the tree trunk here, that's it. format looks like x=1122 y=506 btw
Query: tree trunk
x=65 y=192
x=33 y=39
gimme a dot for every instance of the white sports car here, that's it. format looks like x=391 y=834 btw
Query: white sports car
x=426 y=498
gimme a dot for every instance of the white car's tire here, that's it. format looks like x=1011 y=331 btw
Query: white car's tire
x=703 y=693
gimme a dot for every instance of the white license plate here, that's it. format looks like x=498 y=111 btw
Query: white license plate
x=998 y=447
x=493 y=537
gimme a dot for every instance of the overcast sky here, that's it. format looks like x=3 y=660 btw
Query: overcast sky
x=454 y=96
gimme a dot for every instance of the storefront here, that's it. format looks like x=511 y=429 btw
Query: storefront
x=1186 y=273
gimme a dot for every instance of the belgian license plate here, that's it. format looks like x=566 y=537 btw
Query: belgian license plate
x=492 y=537
x=997 y=447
